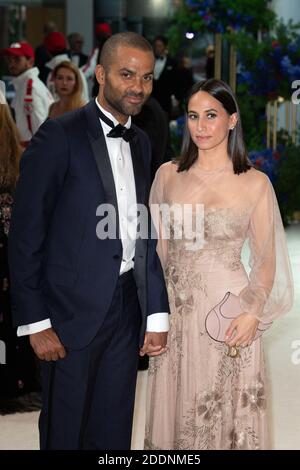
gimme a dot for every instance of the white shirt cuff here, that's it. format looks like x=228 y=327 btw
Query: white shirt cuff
x=158 y=322
x=32 y=328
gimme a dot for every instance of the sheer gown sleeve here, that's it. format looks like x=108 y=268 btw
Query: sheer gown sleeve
x=156 y=199
x=270 y=290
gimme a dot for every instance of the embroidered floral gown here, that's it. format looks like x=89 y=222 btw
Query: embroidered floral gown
x=198 y=396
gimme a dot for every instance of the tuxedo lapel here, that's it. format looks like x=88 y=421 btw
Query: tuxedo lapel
x=100 y=153
x=138 y=169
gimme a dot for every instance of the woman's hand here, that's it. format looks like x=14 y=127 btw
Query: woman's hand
x=242 y=330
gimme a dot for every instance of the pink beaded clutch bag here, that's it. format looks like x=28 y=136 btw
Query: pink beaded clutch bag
x=221 y=315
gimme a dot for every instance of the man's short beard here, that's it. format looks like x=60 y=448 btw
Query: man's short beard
x=125 y=110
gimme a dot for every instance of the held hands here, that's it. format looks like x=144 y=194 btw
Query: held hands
x=47 y=345
x=242 y=330
x=154 y=343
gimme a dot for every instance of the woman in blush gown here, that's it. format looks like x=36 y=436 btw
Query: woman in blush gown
x=199 y=397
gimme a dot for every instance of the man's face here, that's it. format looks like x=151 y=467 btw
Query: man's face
x=159 y=48
x=77 y=44
x=127 y=82
x=18 y=64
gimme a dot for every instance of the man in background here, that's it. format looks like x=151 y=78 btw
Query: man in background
x=103 y=31
x=164 y=75
x=42 y=56
x=76 y=42
x=32 y=99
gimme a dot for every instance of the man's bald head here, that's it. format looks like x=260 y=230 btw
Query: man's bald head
x=127 y=38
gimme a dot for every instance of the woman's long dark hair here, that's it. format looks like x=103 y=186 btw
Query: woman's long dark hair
x=236 y=146
x=10 y=149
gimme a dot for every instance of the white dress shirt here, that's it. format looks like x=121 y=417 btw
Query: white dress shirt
x=121 y=164
x=122 y=169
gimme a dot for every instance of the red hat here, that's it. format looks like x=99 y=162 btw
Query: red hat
x=19 y=49
x=55 y=42
x=103 y=29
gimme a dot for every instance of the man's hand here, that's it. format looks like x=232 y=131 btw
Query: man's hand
x=47 y=345
x=154 y=343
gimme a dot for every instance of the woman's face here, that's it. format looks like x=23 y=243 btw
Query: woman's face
x=64 y=82
x=208 y=122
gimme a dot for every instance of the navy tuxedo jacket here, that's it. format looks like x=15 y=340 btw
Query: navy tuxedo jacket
x=59 y=268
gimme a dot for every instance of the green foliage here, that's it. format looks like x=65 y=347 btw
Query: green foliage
x=252 y=110
x=176 y=33
x=202 y=16
x=287 y=183
x=270 y=66
x=268 y=53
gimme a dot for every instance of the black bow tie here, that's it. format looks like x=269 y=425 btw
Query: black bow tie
x=122 y=131
x=119 y=130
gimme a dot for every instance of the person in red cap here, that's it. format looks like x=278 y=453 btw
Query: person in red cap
x=42 y=55
x=32 y=99
x=56 y=44
x=103 y=32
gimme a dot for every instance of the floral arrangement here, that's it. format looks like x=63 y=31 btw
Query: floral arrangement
x=268 y=61
x=267 y=160
x=223 y=15
x=219 y=16
x=268 y=68
x=287 y=183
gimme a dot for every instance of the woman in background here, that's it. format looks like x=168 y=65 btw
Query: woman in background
x=17 y=369
x=68 y=87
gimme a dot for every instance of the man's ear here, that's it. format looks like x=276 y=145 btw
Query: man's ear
x=100 y=74
x=30 y=62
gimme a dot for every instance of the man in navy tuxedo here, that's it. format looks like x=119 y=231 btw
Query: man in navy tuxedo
x=90 y=302
x=164 y=83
